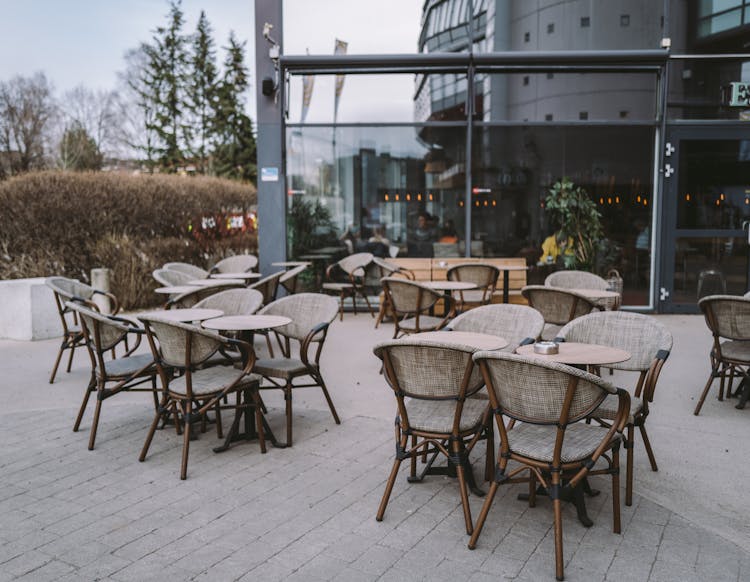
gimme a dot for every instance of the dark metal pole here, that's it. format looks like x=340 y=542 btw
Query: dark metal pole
x=469 y=135
x=270 y=124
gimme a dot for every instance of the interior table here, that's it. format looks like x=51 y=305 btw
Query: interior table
x=506 y=269
x=579 y=355
x=246 y=325
x=184 y=315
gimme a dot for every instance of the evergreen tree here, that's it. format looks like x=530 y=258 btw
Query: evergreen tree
x=78 y=150
x=201 y=91
x=167 y=62
x=235 y=150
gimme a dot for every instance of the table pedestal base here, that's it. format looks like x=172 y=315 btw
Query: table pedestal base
x=246 y=407
x=450 y=471
x=574 y=495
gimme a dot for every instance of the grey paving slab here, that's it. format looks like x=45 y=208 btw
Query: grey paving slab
x=307 y=512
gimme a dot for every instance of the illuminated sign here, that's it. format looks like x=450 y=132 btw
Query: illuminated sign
x=740 y=95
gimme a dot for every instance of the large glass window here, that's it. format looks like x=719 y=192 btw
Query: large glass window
x=701 y=88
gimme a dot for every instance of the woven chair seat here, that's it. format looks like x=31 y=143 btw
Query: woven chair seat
x=736 y=350
x=538 y=441
x=608 y=408
x=475 y=296
x=437 y=415
x=212 y=380
x=337 y=286
x=281 y=367
x=426 y=322
x=123 y=367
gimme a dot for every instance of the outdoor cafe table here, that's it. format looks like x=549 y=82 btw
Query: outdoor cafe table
x=246 y=276
x=601 y=297
x=175 y=289
x=291 y=263
x=183 y=315
x=447 y=287
x=246 y=325
x=506 y=269
x=580 y=355
x=218 y=282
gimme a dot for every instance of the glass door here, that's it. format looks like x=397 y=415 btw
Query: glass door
x=706 y=215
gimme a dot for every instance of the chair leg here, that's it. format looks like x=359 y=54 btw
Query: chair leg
x=722 y=381
x=89 y=389
x=152 y=430
x=647 y=445
x=483 y=515
x=186 y=412
x=288 y=401
x=390 y=482
x=463 y=490
x=219 y=428
x=57 y=360
x=341 y=307
x=698 y=406
x=557 y=506
x=532 y=488
x=616 y=489
x=328 y=399
x=629 y=442
x=70 y=358
x=489 y=461
x=95 y=423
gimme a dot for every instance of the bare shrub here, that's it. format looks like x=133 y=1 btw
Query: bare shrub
x=59 y=223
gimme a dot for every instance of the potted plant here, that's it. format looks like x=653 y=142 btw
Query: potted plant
x=580 y=221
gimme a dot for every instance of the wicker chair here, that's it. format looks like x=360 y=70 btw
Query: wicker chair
x=193 y=391
x=411 y=303
x=518 y=324
x=728 y=319
x=198 y=294
x=649 y=344
x=109 y=376
x=311 y=314
x=290 y=279
x=235 y=264
x=582 y=280
x=557 y=306
x=172 y=277
x=353 y=268
x=381 y=268
x=552 y=445
x=66 y=290
x=188 y=269
x=268 y=286
x=433 y=384
x=485 y=278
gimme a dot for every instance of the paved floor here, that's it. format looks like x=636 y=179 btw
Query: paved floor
x=307 y=513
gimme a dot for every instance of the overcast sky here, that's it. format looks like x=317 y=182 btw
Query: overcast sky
x=83 y=41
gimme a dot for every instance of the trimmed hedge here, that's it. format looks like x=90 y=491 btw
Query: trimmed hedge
x=63 y=223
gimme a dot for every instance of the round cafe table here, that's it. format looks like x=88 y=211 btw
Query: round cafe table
x=447 y=287
x=244 y=276
x=175 y=289
x=291 y=263
x=601 y=297
x=183 y=315
x=246 y=325
x=479 y=341
x=215 y=282
x=577 y=354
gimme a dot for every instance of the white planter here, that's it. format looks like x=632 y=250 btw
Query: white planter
x=28 y=310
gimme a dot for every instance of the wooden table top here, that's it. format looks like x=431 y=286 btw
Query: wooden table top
x=577 y=354
x=246 y=322
x=215 y=282
x=479 y=341
x=596 y=293
x=243 y=275
x=448 y=285
x=184 y=315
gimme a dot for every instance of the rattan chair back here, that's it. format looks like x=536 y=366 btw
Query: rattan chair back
x=268 y=287
x=194 y=296
x=181 y=345
x=355 y=264
x=188 y=269
x=641 y=335
x=576 y=280
x=482 y=275
x=727 y=316
x=306 y=310
x=389 y=269
x=516 y=323
x=70 y=288
x=103 y=332
x=409 y=297
x=171 y=277
x=236 y=264
x=233 y=301
x=540 y=392
x=557 y=306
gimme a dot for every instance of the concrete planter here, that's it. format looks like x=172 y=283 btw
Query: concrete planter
x=27 y=310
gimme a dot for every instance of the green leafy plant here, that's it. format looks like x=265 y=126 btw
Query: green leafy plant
x=309 y=226
x=579 y=219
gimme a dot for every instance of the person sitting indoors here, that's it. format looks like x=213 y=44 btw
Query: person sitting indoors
x=378 y=244
x=555 y=247
x=448 y=234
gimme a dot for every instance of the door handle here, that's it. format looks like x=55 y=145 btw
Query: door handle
x=745 y=224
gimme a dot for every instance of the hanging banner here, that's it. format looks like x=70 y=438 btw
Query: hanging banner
x=308 y=82
x=339 y=49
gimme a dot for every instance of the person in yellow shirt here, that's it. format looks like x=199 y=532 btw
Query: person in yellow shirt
x=554 y=246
